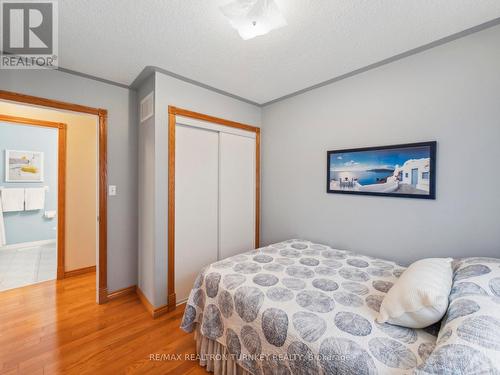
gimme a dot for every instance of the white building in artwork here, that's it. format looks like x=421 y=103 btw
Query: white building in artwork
x=414 y=172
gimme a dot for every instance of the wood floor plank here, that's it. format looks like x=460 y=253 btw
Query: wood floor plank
x=56 y=327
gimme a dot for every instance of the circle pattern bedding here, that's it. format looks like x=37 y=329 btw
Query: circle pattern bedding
x=297 y=307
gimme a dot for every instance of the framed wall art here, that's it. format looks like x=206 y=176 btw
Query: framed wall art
x=406 y=170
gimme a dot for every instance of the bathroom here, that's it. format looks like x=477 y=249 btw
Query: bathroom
x=48 y=195
x=28 y=225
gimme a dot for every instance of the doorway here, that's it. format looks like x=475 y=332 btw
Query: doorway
x=32 y=201
x=99 y=248
x=414 y=177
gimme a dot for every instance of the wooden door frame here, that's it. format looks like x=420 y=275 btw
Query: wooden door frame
x=173 y=112
x=103 y=174
x=61 y=179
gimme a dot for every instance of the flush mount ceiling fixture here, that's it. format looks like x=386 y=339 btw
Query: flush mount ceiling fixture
x=253 y=17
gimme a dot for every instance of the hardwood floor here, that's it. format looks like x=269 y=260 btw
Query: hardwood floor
x=57 y=328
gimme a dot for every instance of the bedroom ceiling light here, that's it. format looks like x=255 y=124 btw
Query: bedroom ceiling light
x=253 y=17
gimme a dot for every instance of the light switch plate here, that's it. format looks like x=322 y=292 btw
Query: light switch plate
x=112 y=190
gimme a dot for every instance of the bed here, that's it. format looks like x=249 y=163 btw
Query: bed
x=302 y=308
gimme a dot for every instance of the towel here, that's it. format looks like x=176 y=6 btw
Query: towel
x=12 y=200
x=34 y=199
x=2 y=227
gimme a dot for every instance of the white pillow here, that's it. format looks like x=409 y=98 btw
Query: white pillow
x=420 y=296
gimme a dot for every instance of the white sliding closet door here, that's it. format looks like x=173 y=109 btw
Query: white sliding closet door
x=236 y=194
x=196 y=204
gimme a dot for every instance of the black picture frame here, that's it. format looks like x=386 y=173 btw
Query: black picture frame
x=342 y=185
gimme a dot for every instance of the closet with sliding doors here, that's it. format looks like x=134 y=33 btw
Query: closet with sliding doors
x=215 y=200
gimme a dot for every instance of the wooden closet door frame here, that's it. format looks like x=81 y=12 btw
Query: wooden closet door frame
x=61 y=179
x=173 y=112
x=102 y=114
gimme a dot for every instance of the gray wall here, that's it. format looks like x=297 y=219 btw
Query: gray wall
x=146 y=262
x=449 y=94
x=122 y=154
x=171 y=91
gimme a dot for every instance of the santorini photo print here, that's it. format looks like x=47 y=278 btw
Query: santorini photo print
x=400 y=170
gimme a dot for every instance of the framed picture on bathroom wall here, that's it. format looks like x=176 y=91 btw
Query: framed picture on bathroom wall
x=23 y=166
x=405 y=171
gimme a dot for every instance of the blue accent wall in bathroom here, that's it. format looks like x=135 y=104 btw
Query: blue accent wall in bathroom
x=28 y=226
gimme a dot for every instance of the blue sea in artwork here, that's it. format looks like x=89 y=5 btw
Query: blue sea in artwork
x=372 y=166
x=363 y=177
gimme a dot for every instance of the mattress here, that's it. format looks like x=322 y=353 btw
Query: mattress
x=304 y=308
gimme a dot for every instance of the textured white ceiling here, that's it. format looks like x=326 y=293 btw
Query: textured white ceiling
x=116 y=39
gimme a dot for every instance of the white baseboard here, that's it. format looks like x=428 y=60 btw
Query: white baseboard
x=27 y=244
